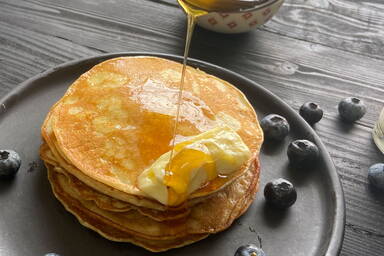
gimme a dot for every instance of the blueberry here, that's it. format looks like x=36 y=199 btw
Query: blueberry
x=280 y=193
x=275 y=127
x=311 y=112
x=249 y=250
x=352 y=109
x=302 y=152
x=376 y=175
x=9 y=163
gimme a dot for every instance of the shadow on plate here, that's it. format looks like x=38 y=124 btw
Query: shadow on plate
x=6 y=184
x=299 y=176
x=272 y=217
x=271 y=147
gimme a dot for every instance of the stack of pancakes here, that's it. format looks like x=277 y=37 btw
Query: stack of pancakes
x=114 y=121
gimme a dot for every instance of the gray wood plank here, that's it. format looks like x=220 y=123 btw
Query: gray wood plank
x=355 y=26
x=36 y=35
x=349 y=25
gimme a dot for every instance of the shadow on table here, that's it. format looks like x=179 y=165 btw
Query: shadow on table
x=344 y=126
x=376 y=193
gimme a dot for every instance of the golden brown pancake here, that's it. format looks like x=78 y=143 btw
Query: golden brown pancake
x=108 y=230
x=104 y=201
x=56 y=154
x=208 y=217
x=117 y=118
x=115 y=121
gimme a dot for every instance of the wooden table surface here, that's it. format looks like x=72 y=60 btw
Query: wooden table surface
x=312 y=50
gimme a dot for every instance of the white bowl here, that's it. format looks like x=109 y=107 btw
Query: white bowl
x=239 y=22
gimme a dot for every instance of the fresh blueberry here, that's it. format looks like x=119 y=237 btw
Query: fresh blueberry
x=275 y=127
x=302 y=152
x=352 y=109
x=280 y=193
x=9 y=163
x=376 y=175
x=311 y=112
x=249 y=250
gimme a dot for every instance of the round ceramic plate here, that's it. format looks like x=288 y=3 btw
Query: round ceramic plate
x=33 y=222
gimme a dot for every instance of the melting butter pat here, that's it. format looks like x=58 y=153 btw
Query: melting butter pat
x=195 y=162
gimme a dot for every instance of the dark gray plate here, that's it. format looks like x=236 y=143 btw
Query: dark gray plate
x=33 y=222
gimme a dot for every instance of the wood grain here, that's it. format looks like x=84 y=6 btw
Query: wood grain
x=353 y=26
x=318 y=51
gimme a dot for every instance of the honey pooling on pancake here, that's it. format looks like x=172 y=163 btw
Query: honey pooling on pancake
x=197 y=162
x=131 y=124
x=178 y=173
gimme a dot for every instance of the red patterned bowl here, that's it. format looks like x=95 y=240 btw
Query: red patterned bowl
x=239 y=22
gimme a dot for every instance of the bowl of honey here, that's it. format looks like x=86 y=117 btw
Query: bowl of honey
x=240 y=21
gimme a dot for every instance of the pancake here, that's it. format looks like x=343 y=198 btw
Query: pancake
x=103 y=201
x=57 y=155
x=210 y=216
x=117 y=119
x=106 y=229
x=51 y=153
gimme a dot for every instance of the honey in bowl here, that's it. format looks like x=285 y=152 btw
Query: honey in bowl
x=222 y=5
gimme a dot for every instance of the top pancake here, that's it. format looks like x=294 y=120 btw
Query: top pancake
x=117 y=118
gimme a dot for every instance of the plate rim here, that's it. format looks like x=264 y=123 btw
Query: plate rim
x=336 y=236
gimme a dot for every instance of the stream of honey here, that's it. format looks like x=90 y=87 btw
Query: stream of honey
x=192 y=15
x=194 y=9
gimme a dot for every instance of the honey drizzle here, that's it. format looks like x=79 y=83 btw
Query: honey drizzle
x=192 y=15
x=193 y=12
